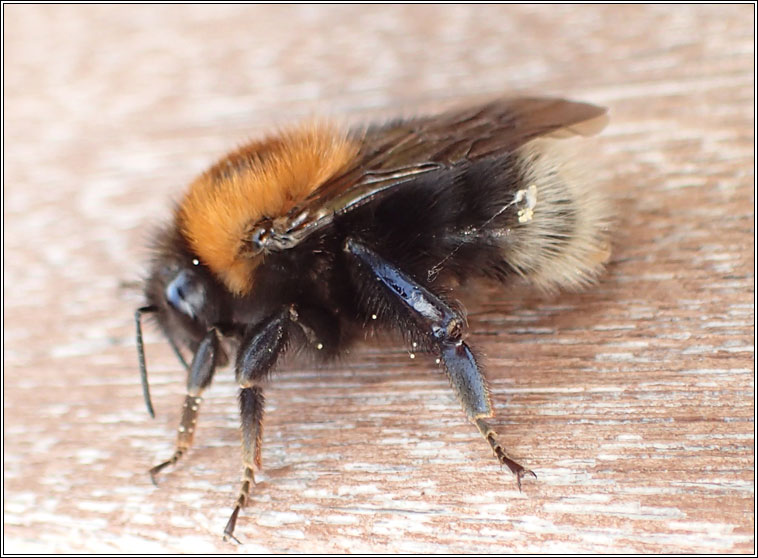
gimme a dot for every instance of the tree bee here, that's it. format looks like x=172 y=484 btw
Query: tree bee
x=311 y=237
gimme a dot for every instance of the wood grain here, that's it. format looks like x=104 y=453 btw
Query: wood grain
x=633 y=401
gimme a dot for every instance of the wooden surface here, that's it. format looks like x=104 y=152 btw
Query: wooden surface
x=633 y=401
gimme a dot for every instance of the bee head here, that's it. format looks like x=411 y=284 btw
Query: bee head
x=184 y=298
x=184 y=295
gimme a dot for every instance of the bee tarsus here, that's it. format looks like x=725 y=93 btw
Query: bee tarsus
x=492 y=437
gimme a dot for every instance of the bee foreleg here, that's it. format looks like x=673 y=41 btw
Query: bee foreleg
x=257 y=355
x=199 y=377
x=443 y=327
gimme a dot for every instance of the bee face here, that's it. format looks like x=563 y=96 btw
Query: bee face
x=187 y=299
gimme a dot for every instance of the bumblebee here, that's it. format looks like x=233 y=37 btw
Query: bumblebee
x=314 y=237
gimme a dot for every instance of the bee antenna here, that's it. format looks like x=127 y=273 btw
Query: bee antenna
x=141 y=355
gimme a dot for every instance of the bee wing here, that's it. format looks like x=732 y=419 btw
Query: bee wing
x=398 y=152
x=495 y=128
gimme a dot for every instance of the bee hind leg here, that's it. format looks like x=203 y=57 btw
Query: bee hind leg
x=199 y=377
x=442 y=327
x=492 y=437
x=469 y=383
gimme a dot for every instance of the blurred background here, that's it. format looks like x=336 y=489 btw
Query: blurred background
x=633 y=402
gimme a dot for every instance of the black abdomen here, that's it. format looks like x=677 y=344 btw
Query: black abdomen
x=529 y=214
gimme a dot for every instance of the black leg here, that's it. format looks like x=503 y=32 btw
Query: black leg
x=199 y=377
x=251 y=411
x=257 y=355
x=443 y=327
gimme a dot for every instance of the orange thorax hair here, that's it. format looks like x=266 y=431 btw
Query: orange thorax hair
x=263 y=179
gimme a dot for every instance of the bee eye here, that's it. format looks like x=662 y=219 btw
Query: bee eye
x=186 y=293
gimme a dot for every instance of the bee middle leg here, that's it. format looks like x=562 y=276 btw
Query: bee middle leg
x=443 y=327
x=260 y=349
x=199 y=377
